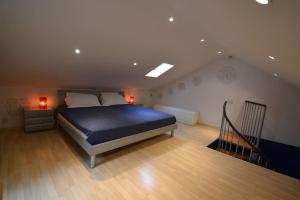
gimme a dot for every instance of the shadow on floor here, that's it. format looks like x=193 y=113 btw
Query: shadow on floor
x=118 y=160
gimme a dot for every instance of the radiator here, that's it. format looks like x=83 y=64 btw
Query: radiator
x=182 y=115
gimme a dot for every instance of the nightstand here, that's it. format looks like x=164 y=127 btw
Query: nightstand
x=36 y=119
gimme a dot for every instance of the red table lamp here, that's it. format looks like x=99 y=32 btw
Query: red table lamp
x=43 y=103
x=131 y=99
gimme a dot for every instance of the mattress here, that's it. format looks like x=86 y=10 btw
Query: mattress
x=105 y=123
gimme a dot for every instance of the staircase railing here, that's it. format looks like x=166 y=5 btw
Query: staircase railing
x=239 y=145
x=253 y=121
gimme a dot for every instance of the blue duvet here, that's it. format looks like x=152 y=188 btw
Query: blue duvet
x=106 y=123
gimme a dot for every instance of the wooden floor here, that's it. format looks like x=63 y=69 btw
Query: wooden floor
x=49 y=165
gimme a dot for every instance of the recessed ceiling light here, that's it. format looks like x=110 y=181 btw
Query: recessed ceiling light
x=77 y=51
x=135 y=64
x=275 y=74
x=219 y=52
x=171 y=19
x=202 y=40
x=272 y=57
x=264 y=2
x=162 y=68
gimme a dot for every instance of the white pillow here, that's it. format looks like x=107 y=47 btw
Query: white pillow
x=76 y=100
x=112 y=98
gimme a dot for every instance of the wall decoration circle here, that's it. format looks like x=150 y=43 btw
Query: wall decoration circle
x=181 y=86
x=170 y=91
x=196 y=81
x=227 y=75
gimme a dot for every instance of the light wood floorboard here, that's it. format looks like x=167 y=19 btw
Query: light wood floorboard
x=49 y=165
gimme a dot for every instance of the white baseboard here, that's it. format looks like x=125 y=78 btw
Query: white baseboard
x=182 y=115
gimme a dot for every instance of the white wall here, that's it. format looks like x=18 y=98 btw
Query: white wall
x=144 y=97
x=13 y=99
x=207 y=89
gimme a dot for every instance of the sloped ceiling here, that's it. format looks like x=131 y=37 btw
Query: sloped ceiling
x=38 y=38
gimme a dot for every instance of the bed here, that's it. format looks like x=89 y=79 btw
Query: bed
x=100 y=129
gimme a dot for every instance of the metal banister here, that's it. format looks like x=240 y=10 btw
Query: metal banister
x=230 y=136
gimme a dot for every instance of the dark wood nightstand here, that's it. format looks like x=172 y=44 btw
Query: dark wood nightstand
x=36 y=119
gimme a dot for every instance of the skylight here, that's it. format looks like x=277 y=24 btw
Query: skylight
x=162 y=68
x=272 y=57
x=264 y=2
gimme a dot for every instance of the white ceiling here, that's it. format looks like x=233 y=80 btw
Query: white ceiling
x=38 y=38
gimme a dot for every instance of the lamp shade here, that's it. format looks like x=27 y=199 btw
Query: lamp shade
x=43 y=103
x=131 y=99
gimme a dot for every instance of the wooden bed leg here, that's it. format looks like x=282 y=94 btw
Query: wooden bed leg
x=92 y=162
x=172 y=133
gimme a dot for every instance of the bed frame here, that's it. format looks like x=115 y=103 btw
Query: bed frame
x=93 y=150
